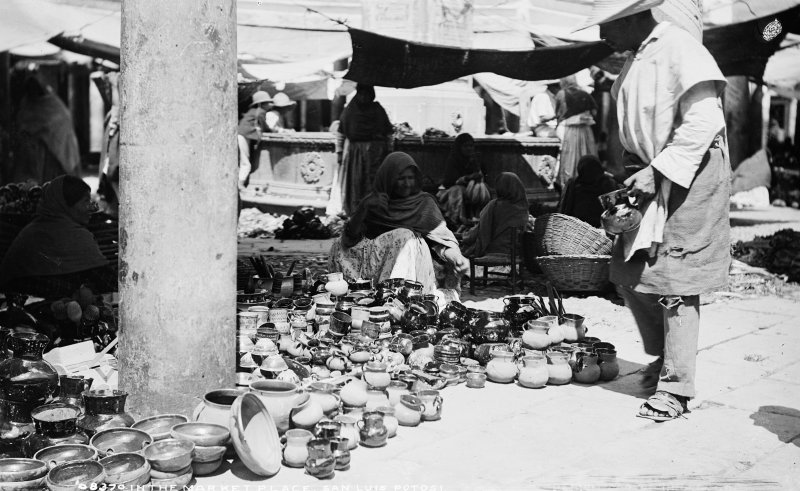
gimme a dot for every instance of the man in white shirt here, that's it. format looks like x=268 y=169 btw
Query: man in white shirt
x=671 y=120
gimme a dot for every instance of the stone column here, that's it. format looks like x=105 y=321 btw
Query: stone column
x=178 y=186
x=737 y=103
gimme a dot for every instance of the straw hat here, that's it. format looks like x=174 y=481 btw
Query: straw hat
x=259 y=97
x=607 y=10
x=282 y=100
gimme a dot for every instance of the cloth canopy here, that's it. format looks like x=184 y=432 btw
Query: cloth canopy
x=391 y=62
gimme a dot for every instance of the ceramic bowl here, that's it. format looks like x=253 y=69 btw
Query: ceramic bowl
x=124 y=468
x=170 y=455
x=159 y=426
x=80 y=474
x=255 y=435
x=58 y=454
x=24 y=485
x=208 y=454
x=170 y=475
x=202 y=434
x=177 y=482
x=205 y=468
x=119 y=440
x=16 y=470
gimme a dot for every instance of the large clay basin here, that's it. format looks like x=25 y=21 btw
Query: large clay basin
x=279 y=397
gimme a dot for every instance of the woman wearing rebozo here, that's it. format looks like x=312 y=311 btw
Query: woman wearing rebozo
x=397 y=230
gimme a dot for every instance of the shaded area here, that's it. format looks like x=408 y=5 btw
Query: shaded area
x=783 y=421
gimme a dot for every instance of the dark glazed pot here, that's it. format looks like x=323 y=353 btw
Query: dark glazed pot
x=490 y=327
x=55 y=425
x=105 y=409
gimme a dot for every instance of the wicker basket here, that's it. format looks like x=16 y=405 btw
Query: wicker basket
x=576 y=273
x=558 y=234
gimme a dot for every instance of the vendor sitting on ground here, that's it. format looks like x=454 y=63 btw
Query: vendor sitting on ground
x=462 y=170
x=55 y=254
x=395 y=229
x=509 y=209
x=580 y=197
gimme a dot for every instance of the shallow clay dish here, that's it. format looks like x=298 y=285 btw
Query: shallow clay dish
x=159 y=426
x=16 y=470
x=120 y=440
x=58 y=454
x=255 y=435
x=170 y=455
x=202 y=434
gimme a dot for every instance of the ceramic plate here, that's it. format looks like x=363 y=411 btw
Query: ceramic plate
x=255 y=436
x=297 y=368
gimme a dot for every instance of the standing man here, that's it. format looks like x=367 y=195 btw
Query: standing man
x=671 y=120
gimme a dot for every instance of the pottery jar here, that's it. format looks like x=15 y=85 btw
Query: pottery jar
x=535 y=335
x=554 y=332
x=586 y=369
x=345 y=305
x=26 y=378
x=341 y=452
x=371 y=429
x=376 y=398
x=279 y=398
x=501 y=368
x=380 y=316
x=476 y=380
x=327 y=429
x=216 y=406
x=433 y=404
x=410 y=289
x=490 y=327
x=534 y=373
x=335 y=284
x=306 y=413
x=55 y=425
x=295 y=451
x=358 y=315
x=320 y=462
x=572 y=325
x=348 y=430
x=354 y=411
x=325 y=395
x=454 y=316
x=559 y=371
x=70 y=389
x=376 y=374
x=609 y=366
x=409 y=410
x=105 y=409
x=389 y=420
x=354 y=393
x=396 y=389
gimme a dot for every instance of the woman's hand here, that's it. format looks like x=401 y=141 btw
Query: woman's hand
x=458 y=261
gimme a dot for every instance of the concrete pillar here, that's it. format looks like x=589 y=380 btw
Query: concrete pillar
x=737 y=102
x=178 y=175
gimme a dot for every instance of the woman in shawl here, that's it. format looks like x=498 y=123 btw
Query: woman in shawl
x=575 y=110
x=509 y=209
x=580 y=196
x=55 y=254
x=367 y=134
x=395 y=230
x=461 y=169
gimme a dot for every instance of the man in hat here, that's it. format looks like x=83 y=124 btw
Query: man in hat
x=276 y=118
x=251 y=126
x=671 y=121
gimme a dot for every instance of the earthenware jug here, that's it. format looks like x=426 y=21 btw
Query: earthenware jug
x=295 y=451
x=559 y=371
x=216 y=406
x=490 y=327
x=535 y=335
x=320 y=462
x=376 y=398
x=71 y=388
x=586 y=369
x=380 y=316
x=105 y=409
x=55 y=425
x=25 y=377
x=371 y=430
x=325 y=395
x=409 y=410
x=376 y=374
x=501 y=368
x=327 y=429
x=306 y=413
x=336 y=285
x=279 y=398
x=396 y=389
x=389 y=419
x=348 y=429
x=609 y=366
x=433 y=404
x=554 y=331
x=341 y=452
x=573 y=328
x=534 y=372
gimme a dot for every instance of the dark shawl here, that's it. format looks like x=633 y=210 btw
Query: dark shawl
x=419 y=212
x=580 y=195
x=572 y=100
x=509 y=209
x=48 y=119
x=53 y=243
x=457 y=164
x=365 y=121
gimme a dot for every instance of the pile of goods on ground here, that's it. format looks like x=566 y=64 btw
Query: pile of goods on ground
x=303 y=224
x=20 y=197
x=778 y=253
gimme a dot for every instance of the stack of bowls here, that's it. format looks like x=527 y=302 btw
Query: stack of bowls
x=209 y=444
x=22 y=473
x=446 y=354
x=78 y=474
x=171 y=462
x=126 y=470
x=159 y=426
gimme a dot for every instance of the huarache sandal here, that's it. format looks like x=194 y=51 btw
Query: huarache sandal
x=663 y=406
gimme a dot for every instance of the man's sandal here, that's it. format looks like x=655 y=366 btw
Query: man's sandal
x=670 y=406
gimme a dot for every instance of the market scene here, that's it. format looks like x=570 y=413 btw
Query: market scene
x=399 y=244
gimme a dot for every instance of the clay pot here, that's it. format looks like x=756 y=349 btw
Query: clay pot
x=320 y=462
x=371 y=429
x=609 y=366
x=295 y=450
x=306 y=413
x=409 y=410
x=501 y=368
x=559 y=371
x=534 y=373
x=216 y=407
x=586 y=369
x=348 y=430
x=104 y=409
x=279 y=398
x=389 y=419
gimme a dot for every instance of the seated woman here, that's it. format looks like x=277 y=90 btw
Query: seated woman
x=394 y=230
x=509 y=209
x=55 y=254
x=461 y=168
x=580 y=195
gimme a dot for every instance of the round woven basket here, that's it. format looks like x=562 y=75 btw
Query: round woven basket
x=587 y=273
x=559 y=234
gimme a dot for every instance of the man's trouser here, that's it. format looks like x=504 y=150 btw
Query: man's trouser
x=669 y=326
